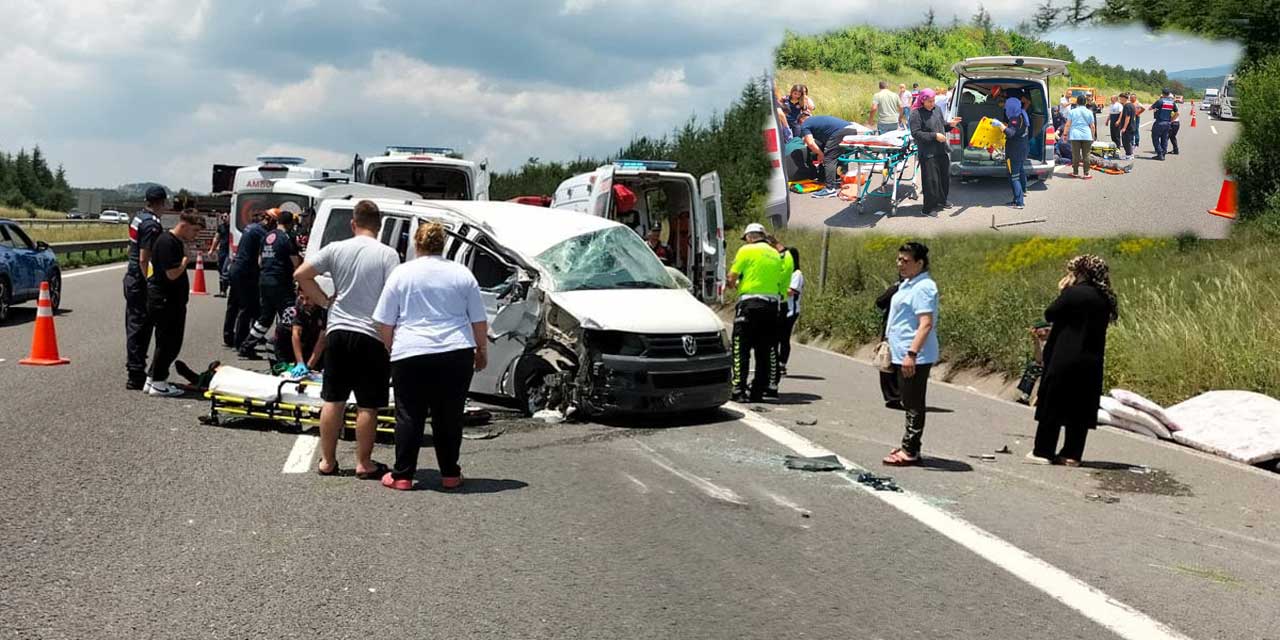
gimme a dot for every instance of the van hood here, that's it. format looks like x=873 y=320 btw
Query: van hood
x=639 y=310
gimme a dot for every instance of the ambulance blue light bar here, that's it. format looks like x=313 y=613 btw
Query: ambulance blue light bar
x=646 y=165
x=440 y=151
x=288 y=161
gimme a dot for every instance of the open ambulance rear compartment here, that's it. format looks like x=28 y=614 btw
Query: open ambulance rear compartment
x=430 y=182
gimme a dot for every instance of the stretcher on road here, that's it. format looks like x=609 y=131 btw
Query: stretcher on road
x=293 y=402
x=888 y=155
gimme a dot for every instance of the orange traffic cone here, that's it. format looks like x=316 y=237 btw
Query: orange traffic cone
x=197 y=285
x=1193 y=116
x=44 y=344
x=1226 y=199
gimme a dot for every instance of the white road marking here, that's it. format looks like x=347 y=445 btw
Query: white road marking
x=783 y=501
x=642 y=486
x=708 y=487
x=1120 y=618
x=304 y=450
x=90 y=272
x=1149 y=123
x=1213 y=129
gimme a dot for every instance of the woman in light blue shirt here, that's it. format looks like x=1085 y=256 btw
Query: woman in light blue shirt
x=913 y=344
x=1084 y=130
x=432 y=318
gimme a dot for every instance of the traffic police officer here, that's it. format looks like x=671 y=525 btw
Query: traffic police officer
x=280 y=258
x=1165 y=110
x=242 y=302
x=787 y=268
x=143 y=231
x=755 y=273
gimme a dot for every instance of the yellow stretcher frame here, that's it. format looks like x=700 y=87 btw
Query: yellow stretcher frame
x=299 y=416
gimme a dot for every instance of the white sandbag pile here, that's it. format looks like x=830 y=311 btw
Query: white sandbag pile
x=1132 y=412
x=1239 y=425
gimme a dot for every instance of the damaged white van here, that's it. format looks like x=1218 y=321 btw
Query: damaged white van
x=687 y=211
x=582 y=315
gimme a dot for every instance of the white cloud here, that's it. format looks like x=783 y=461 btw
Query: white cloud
x=575 y=7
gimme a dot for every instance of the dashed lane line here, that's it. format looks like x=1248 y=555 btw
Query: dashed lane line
x=304 y=450
x=1118 y=617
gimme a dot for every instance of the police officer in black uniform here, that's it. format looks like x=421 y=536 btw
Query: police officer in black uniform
x=280 y=258
x=143 y=231
x=242 y=302
x=1165 y=110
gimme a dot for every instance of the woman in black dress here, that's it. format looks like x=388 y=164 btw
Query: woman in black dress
x=1073 y=360
x=929 y=126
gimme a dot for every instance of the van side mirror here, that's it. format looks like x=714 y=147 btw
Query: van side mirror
x=41 y=245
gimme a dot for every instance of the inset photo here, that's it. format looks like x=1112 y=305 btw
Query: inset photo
x=1086 y=132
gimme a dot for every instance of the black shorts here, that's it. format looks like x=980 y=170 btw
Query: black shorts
x=356 y=362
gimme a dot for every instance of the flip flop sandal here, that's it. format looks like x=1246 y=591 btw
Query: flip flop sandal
x=379 y=470
x=332 y=472
x=897 y=458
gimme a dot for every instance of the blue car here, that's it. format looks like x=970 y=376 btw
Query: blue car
x=23 y=266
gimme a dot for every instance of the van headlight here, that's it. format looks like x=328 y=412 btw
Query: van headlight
x=726 y=340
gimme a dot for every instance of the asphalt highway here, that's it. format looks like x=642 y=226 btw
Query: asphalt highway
x=1157 y=199
x=123 y=517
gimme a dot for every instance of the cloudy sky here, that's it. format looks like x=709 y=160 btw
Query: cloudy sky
x=131 y=90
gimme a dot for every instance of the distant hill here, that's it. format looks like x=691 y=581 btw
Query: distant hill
x=1204 y=83
x=1219 y=72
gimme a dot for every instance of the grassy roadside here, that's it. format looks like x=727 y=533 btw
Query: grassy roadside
x=79 y=233
x=1195 y=315
x=23 y=214
x=848 y=95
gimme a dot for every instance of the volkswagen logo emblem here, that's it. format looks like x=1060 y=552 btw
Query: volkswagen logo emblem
x=690 y=345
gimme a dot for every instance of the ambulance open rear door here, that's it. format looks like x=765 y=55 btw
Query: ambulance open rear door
x=711 y=239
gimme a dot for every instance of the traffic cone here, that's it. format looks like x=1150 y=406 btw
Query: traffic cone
x=44 y=343
x=1226 y=199
x=1193 y=116
x=197 y=285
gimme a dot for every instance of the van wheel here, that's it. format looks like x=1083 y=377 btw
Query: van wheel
x=533 y=394
x=55 y=290
x=4 y=301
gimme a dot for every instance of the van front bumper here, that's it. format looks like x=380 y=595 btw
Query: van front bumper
x=633 y=384
x=1040 y=170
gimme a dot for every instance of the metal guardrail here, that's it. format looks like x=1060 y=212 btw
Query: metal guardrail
x=90 y=246
x=49 y=223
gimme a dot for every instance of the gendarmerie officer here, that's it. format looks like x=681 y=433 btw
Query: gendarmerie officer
x=755 y=273
x=1164 y=111
x=143 y=231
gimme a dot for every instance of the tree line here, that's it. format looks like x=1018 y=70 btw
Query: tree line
x=729 y=143
x=26 y=181
x=931 y=49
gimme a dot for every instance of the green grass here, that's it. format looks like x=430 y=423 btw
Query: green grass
x=848 y=95
x=78 y=233
x=1194 y=315
x=23 y=214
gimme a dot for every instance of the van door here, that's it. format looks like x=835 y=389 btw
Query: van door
x=600 y=202
x=711 y=242
x=482 y=180
x=505 y=309
x=778 y=205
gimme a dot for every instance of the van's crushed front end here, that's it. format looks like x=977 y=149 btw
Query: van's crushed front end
x=655 y=373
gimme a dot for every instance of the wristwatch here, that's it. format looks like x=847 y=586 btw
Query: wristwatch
x=912 y=354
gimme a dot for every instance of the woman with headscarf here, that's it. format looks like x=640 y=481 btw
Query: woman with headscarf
x=1073 y=360
x=928 y=126
x=1017 y=145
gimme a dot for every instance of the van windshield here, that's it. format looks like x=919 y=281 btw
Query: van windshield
x=613 y=258
x=430 y=182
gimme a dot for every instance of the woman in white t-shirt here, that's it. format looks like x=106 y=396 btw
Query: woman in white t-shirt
x=432 y=318
x=793 y=311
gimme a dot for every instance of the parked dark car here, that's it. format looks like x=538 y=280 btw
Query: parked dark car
x=24 y=264
x=75 y=215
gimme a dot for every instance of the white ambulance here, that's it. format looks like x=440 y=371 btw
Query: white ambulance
x=434 y=173
x=688 y=212
x=281 y=182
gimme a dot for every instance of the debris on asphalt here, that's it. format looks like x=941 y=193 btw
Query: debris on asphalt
x=1140 y=469
x=806 y=422
x=983 y=456
x=480 y=434
x=1004 y=449
x=879 y=483
x=824 y=463
x=476 y=416
x=1101 y=497
x=549 y=416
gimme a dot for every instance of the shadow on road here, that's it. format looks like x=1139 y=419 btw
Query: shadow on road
x=804 y=377
x=944 y=464
x=429 y=480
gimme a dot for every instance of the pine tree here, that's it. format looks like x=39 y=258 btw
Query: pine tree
x=1046 y=17
x=930 y=18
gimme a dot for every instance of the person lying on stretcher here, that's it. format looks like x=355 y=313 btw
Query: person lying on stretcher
x=300 y=341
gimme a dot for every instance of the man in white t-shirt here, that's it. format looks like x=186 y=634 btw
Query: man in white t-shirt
x=355 y=361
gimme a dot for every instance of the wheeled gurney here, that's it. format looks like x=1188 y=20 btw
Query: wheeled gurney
x=888 y=155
